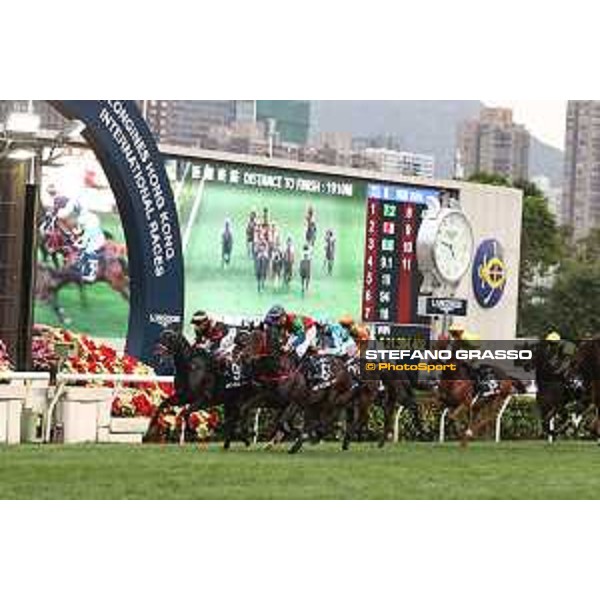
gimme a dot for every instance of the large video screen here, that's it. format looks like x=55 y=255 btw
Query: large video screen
x=253 y=236
x=82 y=279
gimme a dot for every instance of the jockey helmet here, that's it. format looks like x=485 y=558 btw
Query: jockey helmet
x=469 y=336
x=70 y=208
x=200 y=317
x=346 y=320
x=456 y=328
x=363 y=333
x=275 y=314
x=553 y=337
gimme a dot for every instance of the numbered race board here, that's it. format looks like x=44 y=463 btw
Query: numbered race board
x=391 y=276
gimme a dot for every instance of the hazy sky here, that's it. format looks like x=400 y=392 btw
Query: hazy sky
x=544 y=118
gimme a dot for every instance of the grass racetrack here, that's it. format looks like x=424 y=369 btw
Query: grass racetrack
x=519 y=470
x=232 y=290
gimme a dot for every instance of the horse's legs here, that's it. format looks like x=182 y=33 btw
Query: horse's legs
x=595 y=391
x=389 y=405
x=230 y=412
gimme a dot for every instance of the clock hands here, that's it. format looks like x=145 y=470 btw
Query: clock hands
x=451 y=246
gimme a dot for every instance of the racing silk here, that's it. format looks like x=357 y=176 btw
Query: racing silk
x=90 y=242
x=560 y=354
x=289 y=253
x=302 y=332
x=212 y=339
x=338 y=341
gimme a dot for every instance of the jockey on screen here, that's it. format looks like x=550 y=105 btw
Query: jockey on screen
x=88 y=239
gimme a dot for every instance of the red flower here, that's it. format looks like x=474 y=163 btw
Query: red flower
x=194 y=421
x=213 y=420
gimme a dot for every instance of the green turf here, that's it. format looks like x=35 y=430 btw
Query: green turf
x=484 y=470
x=232 y=291
x=102 y=312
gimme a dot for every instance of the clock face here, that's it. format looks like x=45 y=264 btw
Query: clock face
x=453 y=246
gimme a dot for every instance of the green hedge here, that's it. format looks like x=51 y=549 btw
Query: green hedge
x=521 y=421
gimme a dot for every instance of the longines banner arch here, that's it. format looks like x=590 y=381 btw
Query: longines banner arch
x=119 y=136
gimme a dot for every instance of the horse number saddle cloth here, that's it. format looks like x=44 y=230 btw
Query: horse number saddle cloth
x=319 y=372
x=353 y=367
x=235 y=375
x=487 y=384
x=576 y=387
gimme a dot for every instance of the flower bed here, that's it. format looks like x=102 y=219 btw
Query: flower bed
x=131 y=400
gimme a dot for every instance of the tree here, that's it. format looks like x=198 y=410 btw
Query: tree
x=571 y=305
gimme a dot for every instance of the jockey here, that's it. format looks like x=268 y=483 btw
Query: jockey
x=296 y=332
x=359 y=333
x=338 y=340
x=212 y=336
x=90 y=239
x=289 y=249
x=463 y=340
x=306 y=253
x=560 y=353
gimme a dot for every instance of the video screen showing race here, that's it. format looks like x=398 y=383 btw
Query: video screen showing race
x=258 y=237
x=82 y=275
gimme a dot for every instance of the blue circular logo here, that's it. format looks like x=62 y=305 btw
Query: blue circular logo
x=489 y=273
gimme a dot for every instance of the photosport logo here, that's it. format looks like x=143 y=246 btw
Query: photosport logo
x=489 y=273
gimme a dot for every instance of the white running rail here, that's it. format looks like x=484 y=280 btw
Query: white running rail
x=442 y=435
x=64 y=379
x=397 y=424
x=499 y=418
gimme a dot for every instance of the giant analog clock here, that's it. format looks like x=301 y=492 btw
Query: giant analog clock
x=445 y=245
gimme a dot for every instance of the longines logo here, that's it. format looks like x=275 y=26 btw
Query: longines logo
x=164 y=320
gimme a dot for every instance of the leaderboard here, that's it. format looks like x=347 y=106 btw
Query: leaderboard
x=391 y=274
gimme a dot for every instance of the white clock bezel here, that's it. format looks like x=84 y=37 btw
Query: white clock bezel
x=426 y=244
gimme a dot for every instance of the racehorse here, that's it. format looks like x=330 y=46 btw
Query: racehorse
x=226 y=245
x=288 y=267
x=250 y=235
x=261 y=268
x=315 y=388
x=277 y=266
x=112 y=269
x=311 y=232
x=554 y=391
x=329 y=253
x=305 y=268
x=199 y=384
x=586 y=363
x=457 y=392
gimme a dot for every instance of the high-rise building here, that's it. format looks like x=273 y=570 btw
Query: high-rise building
x=186 y=122
x=292 y=118
x=493 y=144
x=394 y=162
x=581 y=185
